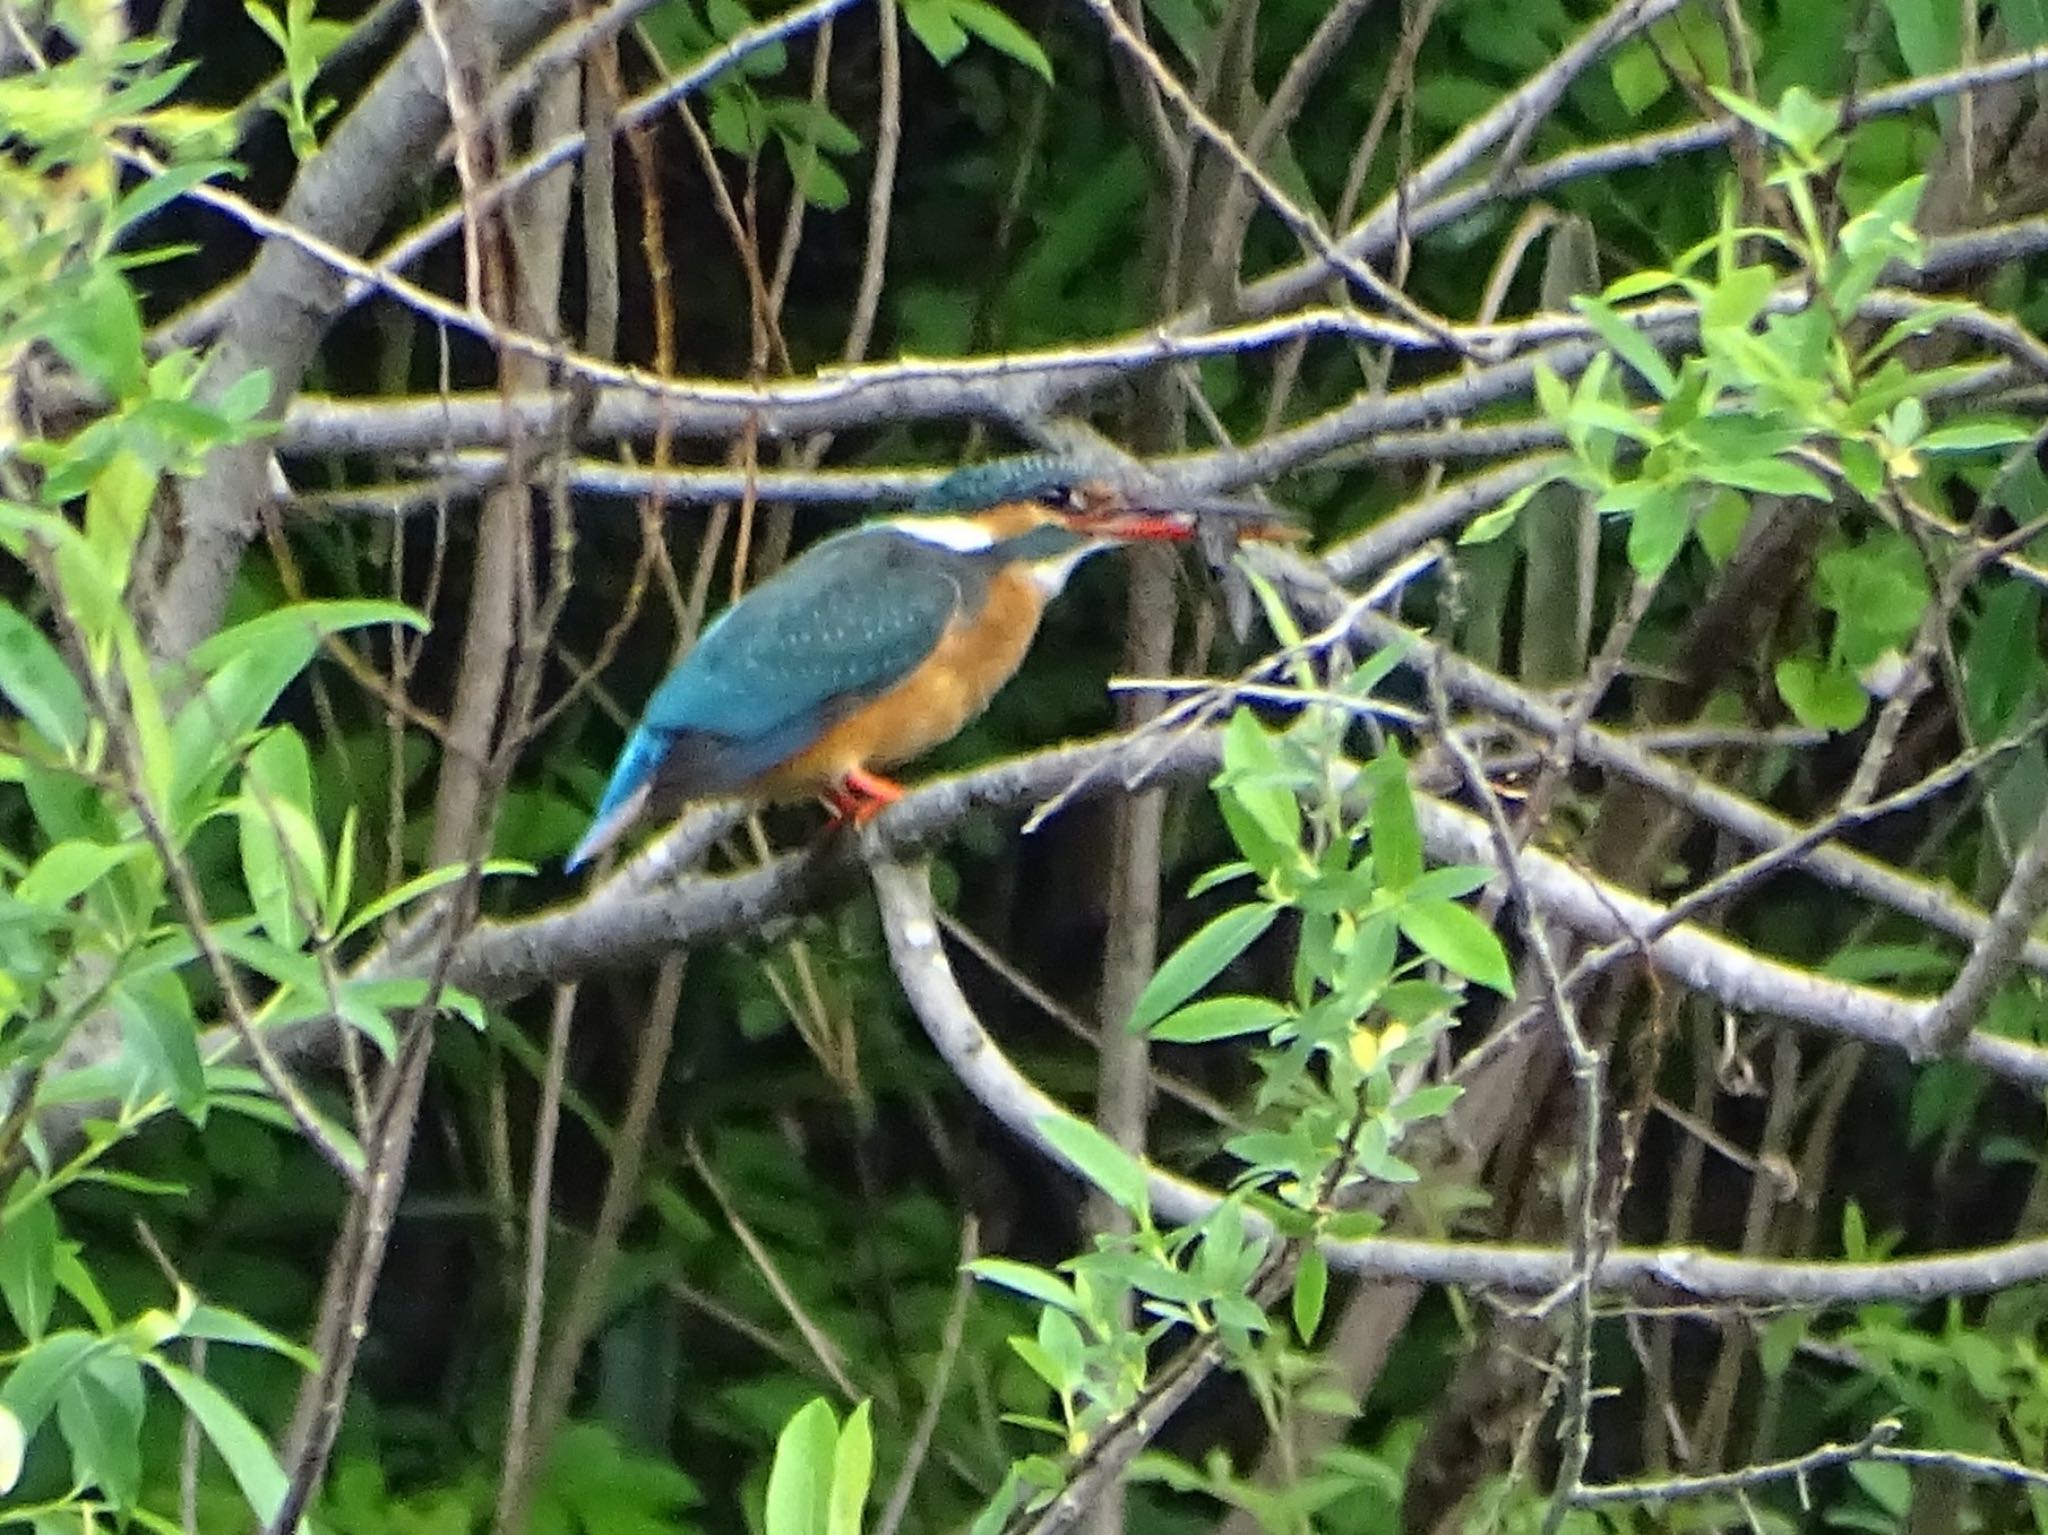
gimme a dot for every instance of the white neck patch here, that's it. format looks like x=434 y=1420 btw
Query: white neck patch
x=961 y=534
x=1050 y=576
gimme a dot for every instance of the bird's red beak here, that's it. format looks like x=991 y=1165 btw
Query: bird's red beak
x=1185 y=519
x=1135 y=526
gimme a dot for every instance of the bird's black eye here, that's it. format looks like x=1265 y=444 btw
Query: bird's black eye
x=1067 y=499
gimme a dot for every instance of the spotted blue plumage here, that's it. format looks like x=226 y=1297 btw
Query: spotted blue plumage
x=980 y=486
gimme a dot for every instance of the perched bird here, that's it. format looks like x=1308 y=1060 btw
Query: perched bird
x=873 y=647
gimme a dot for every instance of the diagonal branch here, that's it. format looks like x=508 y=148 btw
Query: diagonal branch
x=1997 y=955
x=282 y=310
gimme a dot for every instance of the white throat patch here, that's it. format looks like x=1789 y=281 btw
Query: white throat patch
x=1051 y=575
x=961 y=534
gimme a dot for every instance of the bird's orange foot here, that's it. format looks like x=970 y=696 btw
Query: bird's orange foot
x=859 y=797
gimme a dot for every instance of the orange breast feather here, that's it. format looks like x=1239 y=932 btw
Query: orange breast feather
x=975 y=657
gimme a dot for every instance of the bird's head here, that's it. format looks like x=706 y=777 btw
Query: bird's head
x=1050 y=514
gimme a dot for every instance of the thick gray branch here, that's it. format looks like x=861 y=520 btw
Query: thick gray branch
x=1651 y=1273
x=342 y=196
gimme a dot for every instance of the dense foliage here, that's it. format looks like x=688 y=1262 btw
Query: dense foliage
x=1525 y=1015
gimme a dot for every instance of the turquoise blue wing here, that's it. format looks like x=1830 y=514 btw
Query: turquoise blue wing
x=840 y=626
x=847 y=622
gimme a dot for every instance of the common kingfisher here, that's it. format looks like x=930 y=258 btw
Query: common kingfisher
x=874 y=645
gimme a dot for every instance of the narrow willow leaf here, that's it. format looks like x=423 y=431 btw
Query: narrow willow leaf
x=71 y=868
x=223 y=1326
x=36 y=681
x=1026 y=1279
x=1311 y=1289
x=99 y=1412
x=800 y=1477
x=1396 y=836
x=853 y=1472
x=1198 y=961
x=1099 y=1160
x=1003 y=35
x=1975 y=436
x=1457 y=940
x=424 y=884
x=1216 y=1018
x=932 y=23
x=1630 y=344
x=150 y=733
x=39 y=1373
x=234 y=1438
x=28 y=1264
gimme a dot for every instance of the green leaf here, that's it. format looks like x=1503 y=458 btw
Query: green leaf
x=1396 y=836
x=1430 y=1102
x=249 y=664
x=98 y=330
x=1254 y=776
x=71 y=868
x=283 y=860
x=245 y=399
x=1099 y=1160
x=1658 y=529
x=1216 y=1018
x=161 y=1038
x=800 y=1477
x=805 y=122
x=1002 y=34
x=36 y=681
x=1047 y=1369
x=219 y=1325
x=738 y=125
x=1769 y=476
x=932 y=23
x=1221 y=875
x=1457 y=940
x=1975 y=437
x=1720 y=525
x=76 y=1281
x=1638 y=77
x=1485 y=528
x=28 y=1263
x=1449 y=883
x=1026 y=1279
x=40 y=1372
x=1629 y=344
x=816 y=177
x=151 y=735
x=1738 y=298
x=116 y=508
x=1929 y=34
x=248 y=1457
x=728 y=18
x=1805 y=122
x=1198 y=961
x=424 y=884
x=1821 y=697
x=341 y=883
x=853 y=1472
x=1311 y=1289
x=296 y=631
x=99 y=1411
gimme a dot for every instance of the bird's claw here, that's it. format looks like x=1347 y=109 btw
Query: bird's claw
x=859 y=797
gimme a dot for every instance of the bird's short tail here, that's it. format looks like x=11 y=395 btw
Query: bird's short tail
x=624 y=797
